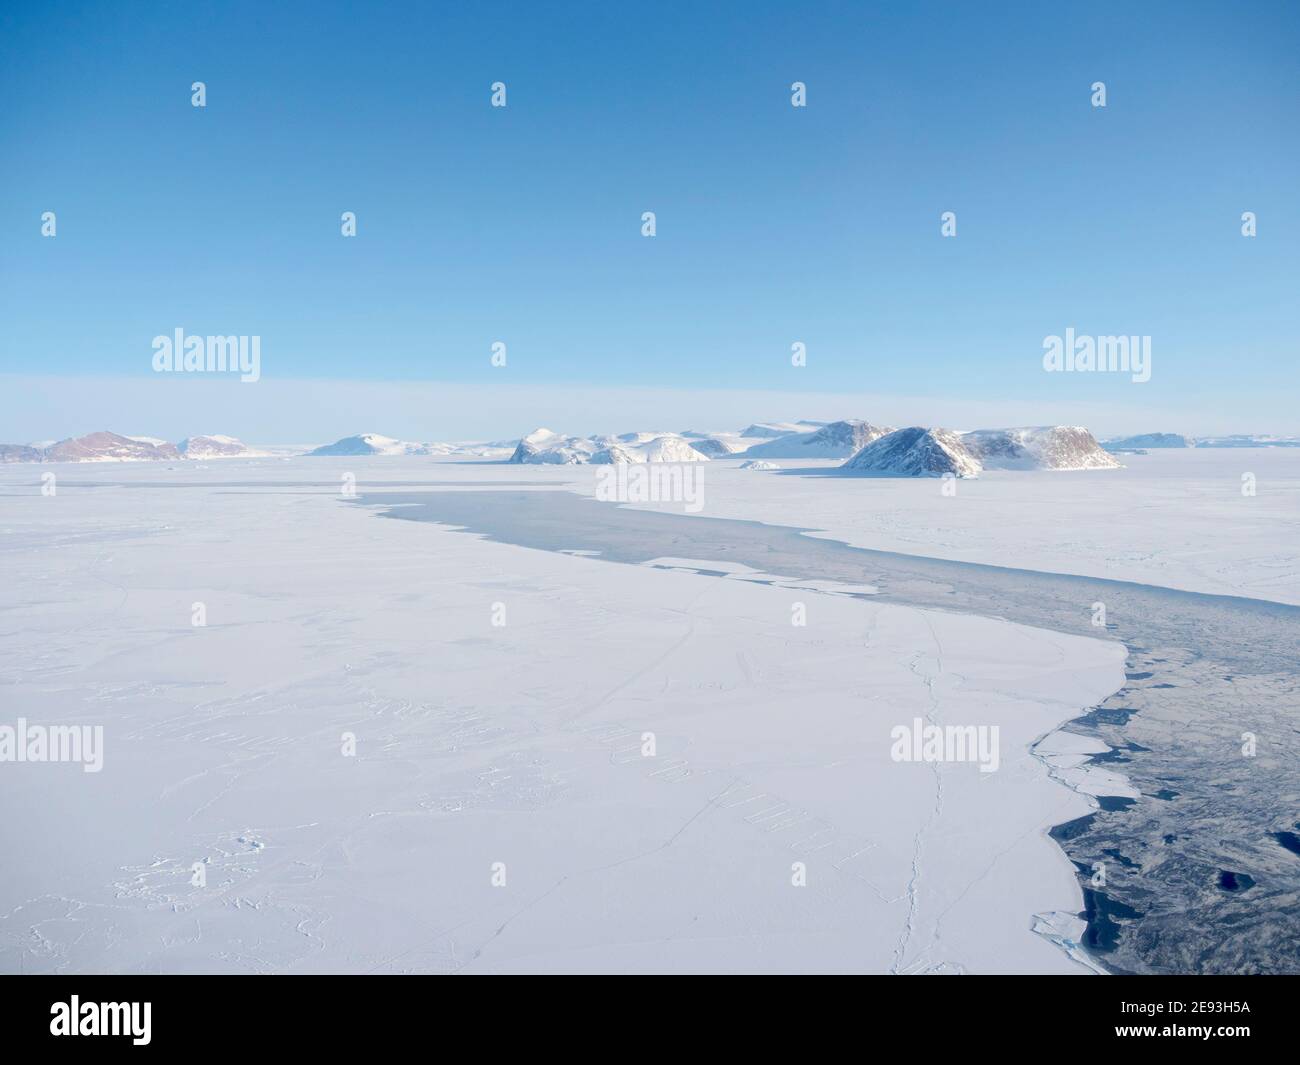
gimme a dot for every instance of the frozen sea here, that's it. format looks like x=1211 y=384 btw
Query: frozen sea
x=502 y=683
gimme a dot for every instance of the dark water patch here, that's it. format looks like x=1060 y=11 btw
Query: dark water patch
x=1229 y=881
x=1114 y=803
x=1122 y=753
x=1289 y=840
x=1108 y=715
x=1164 y=795
x=1138 y=676
x=1126 y=862
x=1115 y=754
x=1101 y=911
x=1070 y=829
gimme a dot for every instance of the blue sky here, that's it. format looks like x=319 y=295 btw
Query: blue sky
x=522 y=224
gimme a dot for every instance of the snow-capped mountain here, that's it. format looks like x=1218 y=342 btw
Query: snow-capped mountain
x=1144 y=440
x=916 y=452
x=758 y=464
x=214 y=447
x=667 y=448
x=613 y=454
x=1049 y=447
x=543 y=446
x=834 y=441
x=374 y=444
x=109 y=447
x=93 y=447
x=717 y=447
x=637 y=438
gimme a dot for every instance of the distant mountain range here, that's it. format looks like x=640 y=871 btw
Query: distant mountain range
x=374 y=444
x=214 y=447
x=112 y=447
x=1145 y=441
x=833 y=441
x=772 y=430
x=1246 y=440
x=867 y=448
x=544 y=447
x=94 y=447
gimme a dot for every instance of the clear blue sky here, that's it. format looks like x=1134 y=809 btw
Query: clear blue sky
x=775 y=224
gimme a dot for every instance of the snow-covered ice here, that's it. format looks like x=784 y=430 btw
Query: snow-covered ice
x=519 y=743
x=1177 y=518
